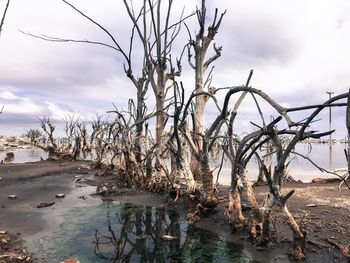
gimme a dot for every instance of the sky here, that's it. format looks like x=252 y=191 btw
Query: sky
x=299 y=50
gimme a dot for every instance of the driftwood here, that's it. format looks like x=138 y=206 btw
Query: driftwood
x=41 y=205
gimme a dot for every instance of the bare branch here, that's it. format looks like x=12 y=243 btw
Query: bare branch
x=215 y=57
x=315 y=106
x=4 y=15
x=320 y=168
x=100 y=26
x=57 y=39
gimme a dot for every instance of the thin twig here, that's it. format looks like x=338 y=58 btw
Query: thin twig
x=4 y=15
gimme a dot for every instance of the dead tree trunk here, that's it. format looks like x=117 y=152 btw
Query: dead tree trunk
x=49 y=128
x=239 y=171
x=176 y=143
x=234 y=210
x=348 y=128
x=200 y=46
x=276 y=199
x=157 y=45
x=70 y=127
x=83 y=138
x=200 y=63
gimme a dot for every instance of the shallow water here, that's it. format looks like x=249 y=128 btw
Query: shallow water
x=25 y=155
x=114 y=232
x=301 y=169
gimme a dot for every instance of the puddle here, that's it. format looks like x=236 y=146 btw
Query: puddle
x=114 y=232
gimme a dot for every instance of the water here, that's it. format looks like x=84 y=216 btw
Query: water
x=97 y=231
x=25 y=155
x=115 y=232
x=301 y=169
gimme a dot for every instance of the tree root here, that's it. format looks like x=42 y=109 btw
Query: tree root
x=156 y=184
x=193 y=217
x=297 y=249
x=344 y=249
x=201 y=204
x=234 y=212
x=255 y=228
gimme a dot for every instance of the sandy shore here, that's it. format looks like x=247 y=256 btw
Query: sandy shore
x=327 y=210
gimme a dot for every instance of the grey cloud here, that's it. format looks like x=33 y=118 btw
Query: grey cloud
x=254 y=43
x=75 y=76
x=16 y=123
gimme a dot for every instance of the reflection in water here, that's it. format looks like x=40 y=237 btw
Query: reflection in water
x=140 y=233
x=158 y=235
x=33 y=155
x=327 y=156
x=323 y=155
x=115 y=232
x=25 y=155
x=301 y=169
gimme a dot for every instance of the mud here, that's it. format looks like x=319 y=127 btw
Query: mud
x=324 y=211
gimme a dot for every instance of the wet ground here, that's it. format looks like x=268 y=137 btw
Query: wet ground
x=79 y=214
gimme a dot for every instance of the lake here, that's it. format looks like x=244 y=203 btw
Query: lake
x=300 y=168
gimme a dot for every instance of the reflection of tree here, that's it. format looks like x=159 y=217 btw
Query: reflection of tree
x=144 y=234
x=197 y=246
x=137 y=234
x=204 y=246
x=175 y=230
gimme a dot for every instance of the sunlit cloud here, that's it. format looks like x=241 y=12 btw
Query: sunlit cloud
x=7 y=95
x=17 y=105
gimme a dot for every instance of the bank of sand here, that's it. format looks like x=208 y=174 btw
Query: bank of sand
x=327 y=210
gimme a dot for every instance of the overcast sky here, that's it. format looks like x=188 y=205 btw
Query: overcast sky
x=298 y=50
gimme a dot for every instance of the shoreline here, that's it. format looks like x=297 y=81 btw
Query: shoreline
x=39 y=182
x=300 y=169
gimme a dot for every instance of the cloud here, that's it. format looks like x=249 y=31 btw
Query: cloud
x=7 y=95
x=17 y=105
x=298 y=50
x=16 y=124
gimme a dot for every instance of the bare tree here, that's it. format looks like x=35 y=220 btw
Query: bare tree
x=98 y=140
x=48 y=128
x=71 y=123
x=140 y=82
x=33 y=135
x=200 y=63
x=156 y=37
x=177 y=145
x=83 y=137
x=276 y=200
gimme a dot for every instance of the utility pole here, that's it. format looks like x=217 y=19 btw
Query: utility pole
x=330 y=118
